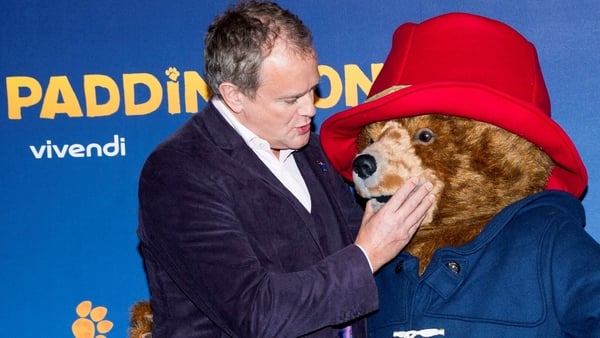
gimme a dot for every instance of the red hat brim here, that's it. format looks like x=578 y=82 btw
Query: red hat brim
x=469 y=100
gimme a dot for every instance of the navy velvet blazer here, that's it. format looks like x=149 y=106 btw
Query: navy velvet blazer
x=229 y=251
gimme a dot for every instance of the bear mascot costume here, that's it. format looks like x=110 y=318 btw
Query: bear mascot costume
x=140 y=320
x=461 y=102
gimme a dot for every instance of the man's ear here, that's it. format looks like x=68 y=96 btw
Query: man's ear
x=231 y=95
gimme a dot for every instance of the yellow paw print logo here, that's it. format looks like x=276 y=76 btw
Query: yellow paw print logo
x=91 y=320
x=172 y=73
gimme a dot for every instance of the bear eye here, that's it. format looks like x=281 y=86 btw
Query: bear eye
x=424 y=135
x=370 y=140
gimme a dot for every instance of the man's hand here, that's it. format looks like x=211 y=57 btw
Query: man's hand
x=383 y=234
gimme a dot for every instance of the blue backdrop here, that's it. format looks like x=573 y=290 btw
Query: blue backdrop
x=90 y=87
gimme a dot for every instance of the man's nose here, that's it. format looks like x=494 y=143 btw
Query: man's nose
x=308 y=108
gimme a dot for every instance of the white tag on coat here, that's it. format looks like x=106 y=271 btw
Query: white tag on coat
x=419 y=333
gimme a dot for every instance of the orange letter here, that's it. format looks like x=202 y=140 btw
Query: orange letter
x=356 y=78
x=59 y=86
x=194 y=85
x=335 y=92
x=17 y=102
x=155 y=97
x=94 y=109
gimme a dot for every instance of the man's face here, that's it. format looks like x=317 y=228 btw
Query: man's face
x=282 y=109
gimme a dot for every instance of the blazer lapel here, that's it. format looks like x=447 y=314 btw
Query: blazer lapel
x=233 y=144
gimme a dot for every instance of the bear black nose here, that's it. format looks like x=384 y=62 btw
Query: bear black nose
x=364 y=166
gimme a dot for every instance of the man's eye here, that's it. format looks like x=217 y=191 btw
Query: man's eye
x=291 y=101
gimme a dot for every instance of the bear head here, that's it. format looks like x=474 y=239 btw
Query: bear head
x=476 y=169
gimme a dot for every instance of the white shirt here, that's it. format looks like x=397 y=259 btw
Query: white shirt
x=284 y=168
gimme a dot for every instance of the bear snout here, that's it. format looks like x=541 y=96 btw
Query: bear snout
x=364 y=166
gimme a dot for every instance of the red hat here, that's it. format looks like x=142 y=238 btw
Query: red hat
x=461 y=65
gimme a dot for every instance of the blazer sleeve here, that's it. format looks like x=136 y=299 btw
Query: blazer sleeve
x=189 y=225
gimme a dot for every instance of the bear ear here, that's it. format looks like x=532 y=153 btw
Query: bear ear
x=363 y=140
x=368 y=134
x=141 y=320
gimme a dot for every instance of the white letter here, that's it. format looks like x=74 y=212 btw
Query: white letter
x=76 y=150
x=37 y=153
x=114 y=145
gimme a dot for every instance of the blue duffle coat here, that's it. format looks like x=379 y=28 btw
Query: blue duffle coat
x=532 y=272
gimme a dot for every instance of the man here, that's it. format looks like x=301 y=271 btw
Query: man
x=245 y=230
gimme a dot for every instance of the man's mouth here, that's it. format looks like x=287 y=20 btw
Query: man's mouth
x=304 y=129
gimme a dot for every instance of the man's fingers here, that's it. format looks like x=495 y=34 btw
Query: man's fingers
x=403 y=193
x=410 y=196
x=413 y=229
x=418 y=211
x=369 y=211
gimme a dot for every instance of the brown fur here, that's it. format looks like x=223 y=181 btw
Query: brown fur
x=477 y=169
x=141 y=322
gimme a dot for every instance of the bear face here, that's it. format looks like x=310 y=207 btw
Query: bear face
x=476 y=168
